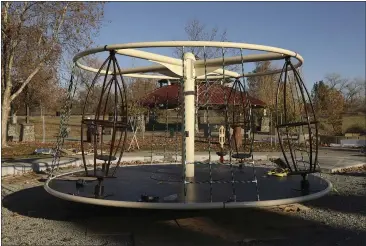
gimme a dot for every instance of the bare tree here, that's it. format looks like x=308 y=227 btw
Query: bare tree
x=47 y=27
x=353 y=90
x=264 y=87
x=137 y=88
x=44 y=91
x=196 y=31
x=336 y=81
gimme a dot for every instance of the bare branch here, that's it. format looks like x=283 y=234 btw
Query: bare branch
x=25 y=83
x=335 y=80
x=196 y=31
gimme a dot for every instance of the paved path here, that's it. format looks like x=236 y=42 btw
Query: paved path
x=331 y=160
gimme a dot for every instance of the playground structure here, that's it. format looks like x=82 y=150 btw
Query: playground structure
x=192 y=183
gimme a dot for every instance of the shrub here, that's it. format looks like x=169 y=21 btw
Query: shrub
x=355 y=129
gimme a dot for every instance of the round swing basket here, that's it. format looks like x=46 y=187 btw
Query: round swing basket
x=189 y=184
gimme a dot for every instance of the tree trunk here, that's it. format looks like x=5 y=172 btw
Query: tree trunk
x=142 y=125
x=6 y=96
x=5 y=110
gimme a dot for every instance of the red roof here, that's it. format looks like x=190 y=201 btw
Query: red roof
x=216 y=94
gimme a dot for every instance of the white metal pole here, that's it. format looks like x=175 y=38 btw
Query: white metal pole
x=189 y=93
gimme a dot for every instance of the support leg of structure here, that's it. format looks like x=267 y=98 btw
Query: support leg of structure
x=189 y=92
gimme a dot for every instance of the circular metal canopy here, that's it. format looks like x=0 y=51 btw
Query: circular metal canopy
x=171 y=68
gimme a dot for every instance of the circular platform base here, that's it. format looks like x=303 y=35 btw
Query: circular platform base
x=160 y=186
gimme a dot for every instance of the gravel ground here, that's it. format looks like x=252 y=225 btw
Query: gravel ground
x=32 y=217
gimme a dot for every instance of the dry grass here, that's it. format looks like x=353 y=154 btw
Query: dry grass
x=52 y=126
x=353 y=120
x=156 y=143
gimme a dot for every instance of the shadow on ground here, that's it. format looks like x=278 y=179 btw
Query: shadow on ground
x=209 y=227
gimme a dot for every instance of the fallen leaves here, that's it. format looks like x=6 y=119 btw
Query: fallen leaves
x=290 y=208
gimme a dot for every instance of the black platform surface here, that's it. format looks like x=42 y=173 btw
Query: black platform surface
x=165 y=182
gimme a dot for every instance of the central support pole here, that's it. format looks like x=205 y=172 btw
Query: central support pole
x=189 y=110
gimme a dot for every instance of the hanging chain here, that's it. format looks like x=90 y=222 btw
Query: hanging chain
x=208 y=122
x=177 y=125
x=183 y=128
x=230 y=158
x=64 y=120
x=251 y=127
x=166 y=126
x=248 y=104
x=154 y=111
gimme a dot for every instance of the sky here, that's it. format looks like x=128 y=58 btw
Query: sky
x=329 y=35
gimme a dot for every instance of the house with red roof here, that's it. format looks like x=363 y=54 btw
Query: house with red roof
x=213 y=96
x=171 y=94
